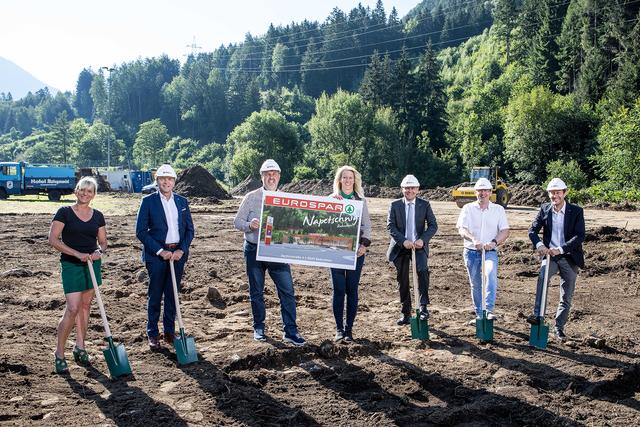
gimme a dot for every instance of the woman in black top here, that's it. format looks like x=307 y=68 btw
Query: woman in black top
x=80 y=234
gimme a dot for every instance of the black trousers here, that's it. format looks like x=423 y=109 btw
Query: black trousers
x=403 y=269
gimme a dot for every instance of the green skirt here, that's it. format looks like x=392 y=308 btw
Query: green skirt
x=76 y=277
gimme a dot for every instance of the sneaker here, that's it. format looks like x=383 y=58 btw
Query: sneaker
x=295 y=339
x=532 y=319
x=560 y=335
x=258 y=335
x=472 y=322
x=424 y=313
x=490 y=316
x=348 y=337
x=404 y=320
x=60 y=364
x=339 y=336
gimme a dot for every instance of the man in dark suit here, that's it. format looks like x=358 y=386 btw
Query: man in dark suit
x=165 y=228
x=411 y=224
x=562 y=236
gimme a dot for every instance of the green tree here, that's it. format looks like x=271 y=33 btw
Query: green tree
x=264 y=134
x=570 y=172
x=619 y=143
x=541 y=127
x=150 y=142
x=82 y=100
x=99 y=147
x=347 y=130
x=61 y=134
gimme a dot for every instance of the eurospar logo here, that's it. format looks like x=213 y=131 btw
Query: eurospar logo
x=291 y=202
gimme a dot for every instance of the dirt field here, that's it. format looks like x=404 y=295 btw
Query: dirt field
x=383 y=378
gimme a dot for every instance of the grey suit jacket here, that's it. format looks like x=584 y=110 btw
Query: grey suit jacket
x=426 y=227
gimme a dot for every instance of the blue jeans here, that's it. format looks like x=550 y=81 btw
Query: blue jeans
x=281 y=275
x=345 y=282
x=568 y=275
x=473 y=262
x=160 y=284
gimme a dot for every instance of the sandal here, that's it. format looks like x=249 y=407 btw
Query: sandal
x=81 y=356
x=60 y=365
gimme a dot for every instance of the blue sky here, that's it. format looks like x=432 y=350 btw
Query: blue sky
x=55 y=39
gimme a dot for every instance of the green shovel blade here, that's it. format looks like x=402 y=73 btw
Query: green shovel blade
x=116 y=357
x=484 y=328
x=185 y=349
x=539 y=336
x=419 y=328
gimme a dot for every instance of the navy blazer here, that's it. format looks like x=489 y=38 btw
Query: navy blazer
x=396 y=220
x=152 y=229
x=574 y=230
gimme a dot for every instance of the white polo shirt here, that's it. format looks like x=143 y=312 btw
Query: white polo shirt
x=484 y=224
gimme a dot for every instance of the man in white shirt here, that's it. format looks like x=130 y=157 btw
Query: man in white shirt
x=563 y=233
x=483 y=225
x=165 y=228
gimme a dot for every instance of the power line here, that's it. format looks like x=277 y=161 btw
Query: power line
x=353 y=34
x=260 y=70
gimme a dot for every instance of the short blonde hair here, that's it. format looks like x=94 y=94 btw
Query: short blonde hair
x=357 y=184
x=87 y=181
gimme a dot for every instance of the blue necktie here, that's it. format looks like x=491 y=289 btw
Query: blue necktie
x=410 y=222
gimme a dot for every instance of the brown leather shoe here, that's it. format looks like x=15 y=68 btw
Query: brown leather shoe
x=169 y=338
x=154 y=343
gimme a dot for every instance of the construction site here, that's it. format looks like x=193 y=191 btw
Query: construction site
x=382 y=378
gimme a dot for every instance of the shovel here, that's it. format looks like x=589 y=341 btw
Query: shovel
x=484 y=326
x=540 y=332
x=419 y=328
x=185 y=346
x=114 y=354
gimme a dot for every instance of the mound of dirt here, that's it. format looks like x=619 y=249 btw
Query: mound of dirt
x=316 y=187
x=248 y=184
x=527 y=195
x=196 y=181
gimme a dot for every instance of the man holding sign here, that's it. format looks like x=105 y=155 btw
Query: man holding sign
x=248 y=220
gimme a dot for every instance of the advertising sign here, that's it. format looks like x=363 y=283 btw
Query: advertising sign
x=309 y=230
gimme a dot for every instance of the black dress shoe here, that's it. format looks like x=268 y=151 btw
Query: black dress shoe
x=424 y=313
x=154 y=343
x=169 y=338
x=404 y=320
x=533 y=319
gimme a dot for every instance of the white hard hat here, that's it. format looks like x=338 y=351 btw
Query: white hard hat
x=269 y=165
x=556 y=184
x=166 y=170
x=483 y=184
x=409 y=181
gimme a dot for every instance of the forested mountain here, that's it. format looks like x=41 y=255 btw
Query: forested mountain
x=529 y=85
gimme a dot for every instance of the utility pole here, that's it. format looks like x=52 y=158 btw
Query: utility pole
x=194 y=47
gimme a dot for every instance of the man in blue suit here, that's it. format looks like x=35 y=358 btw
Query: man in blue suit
x=411 y=225
x=562 y=236
x=165 y=228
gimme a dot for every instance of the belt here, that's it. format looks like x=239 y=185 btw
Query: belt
x=170 y=245
x=476 y=250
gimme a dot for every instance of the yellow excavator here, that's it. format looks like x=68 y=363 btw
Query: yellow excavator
x=466 y=194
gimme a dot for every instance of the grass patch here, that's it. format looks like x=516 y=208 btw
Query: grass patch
x=110 y=204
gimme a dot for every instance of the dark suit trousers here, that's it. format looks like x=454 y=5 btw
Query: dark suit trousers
x=160 y=284
x=403 y=269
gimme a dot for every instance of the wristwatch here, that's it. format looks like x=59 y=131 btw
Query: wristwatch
x=495 y=241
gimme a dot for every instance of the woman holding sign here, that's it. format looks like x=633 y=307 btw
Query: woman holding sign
x=347 y=184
